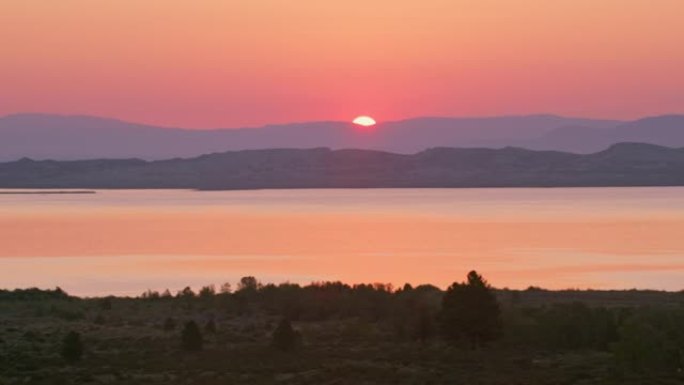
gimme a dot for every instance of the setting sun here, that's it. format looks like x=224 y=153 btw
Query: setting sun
x=365 y=121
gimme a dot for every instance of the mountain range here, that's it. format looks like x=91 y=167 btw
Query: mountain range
x=624 y=164
x=57 y=137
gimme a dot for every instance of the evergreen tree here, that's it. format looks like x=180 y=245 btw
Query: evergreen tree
x=226 y=288
x=470 y=313
x=186 y=293
x=249 y=284
x=191 y=337
x=72 y=347
x=207 y=291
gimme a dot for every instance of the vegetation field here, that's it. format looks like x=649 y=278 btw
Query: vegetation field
x=333 y=333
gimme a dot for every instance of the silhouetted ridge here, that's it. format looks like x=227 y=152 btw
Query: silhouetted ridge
x=632 y=152
x=674 y=123
x=624 y=164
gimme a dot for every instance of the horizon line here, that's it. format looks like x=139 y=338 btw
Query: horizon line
x=381 y=122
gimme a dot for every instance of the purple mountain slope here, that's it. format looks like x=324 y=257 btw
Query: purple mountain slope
x=666 y=130
x=42 y=136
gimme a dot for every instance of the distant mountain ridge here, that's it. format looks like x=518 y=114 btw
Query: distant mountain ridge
x=666 y=130
x=57 y=137
x=43 y=136
x=624 y=164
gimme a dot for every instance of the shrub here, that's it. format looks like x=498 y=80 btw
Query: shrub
x=99 y=320
x=72 y=347
x=106 y=303
x=651 y=341
x=210 y=326
x=285 y=338
x=191 y=337
x=169 y=324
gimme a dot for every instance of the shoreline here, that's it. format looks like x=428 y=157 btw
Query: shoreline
x=47 y=192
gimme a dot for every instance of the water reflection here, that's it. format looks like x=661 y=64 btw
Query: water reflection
x=128 y=241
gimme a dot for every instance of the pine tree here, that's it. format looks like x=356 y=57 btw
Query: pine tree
x=470 y=313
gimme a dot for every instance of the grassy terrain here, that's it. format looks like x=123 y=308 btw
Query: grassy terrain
x=354 y=336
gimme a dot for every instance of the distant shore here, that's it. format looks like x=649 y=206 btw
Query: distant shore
x=47 y=192
x=621 y=165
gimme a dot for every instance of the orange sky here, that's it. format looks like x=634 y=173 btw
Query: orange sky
x=210 y=63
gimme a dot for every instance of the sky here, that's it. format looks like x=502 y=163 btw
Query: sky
x=237 y=63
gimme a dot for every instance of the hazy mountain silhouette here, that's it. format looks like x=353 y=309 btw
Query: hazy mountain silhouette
x=625 y=164
x=667 y=130
x=42 y=136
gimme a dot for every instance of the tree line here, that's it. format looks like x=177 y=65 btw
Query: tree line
x=467 y=315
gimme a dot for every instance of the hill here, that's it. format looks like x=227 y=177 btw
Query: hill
x=42 y=136
x=667 y=130
x=625 y=164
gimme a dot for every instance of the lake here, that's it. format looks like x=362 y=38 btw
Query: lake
x=126 y=241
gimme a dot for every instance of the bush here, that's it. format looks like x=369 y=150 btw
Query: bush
x=577 y=326
x=99 y=320
x=651 y=341
x=67 y=312
x=191 y=337
x=210 y=326
x=72 y=347
x=106 y=303
x=285 y=338
x=169 y=324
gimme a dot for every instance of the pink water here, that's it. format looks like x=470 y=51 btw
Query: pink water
x=124 y=242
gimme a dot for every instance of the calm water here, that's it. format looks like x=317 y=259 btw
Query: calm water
x=124 y=242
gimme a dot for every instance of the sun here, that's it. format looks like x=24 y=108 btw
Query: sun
x=363 y=120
